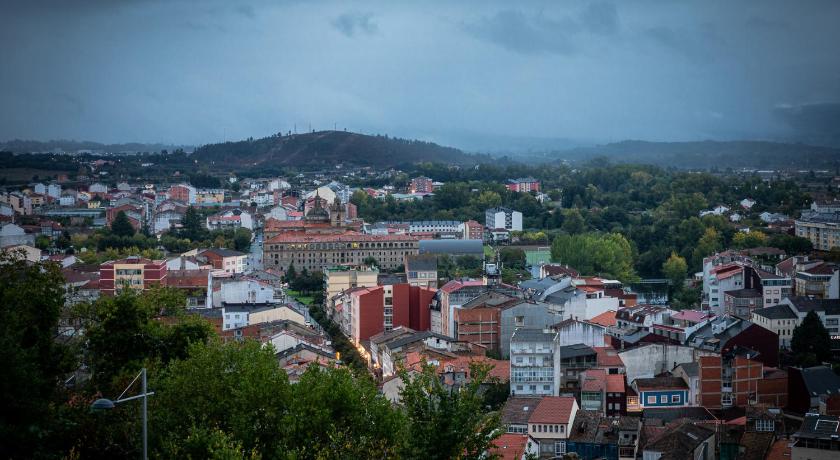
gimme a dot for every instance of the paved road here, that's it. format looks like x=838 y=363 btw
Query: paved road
x=255 y=255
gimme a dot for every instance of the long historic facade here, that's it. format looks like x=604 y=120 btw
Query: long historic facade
x=324 y=240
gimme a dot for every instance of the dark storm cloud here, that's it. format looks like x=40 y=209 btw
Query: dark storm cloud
x=816 y=123
x=350 y=24
x=183 y=71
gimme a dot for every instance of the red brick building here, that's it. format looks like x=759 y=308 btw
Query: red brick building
x=421 y=185
x=133 y=273
x=367 y=311
x=479 y=320
x=523 y=184
x=473 y=230
x=739 y=381
x=183 y=193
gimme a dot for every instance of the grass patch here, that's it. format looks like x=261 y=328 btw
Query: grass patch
x=489 y=253
x=304 y=299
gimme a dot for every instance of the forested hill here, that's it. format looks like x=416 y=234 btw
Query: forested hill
x=325 y=148
x=68 y=146
x=711 y=154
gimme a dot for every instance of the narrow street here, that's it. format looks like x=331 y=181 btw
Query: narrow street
x=255 y=254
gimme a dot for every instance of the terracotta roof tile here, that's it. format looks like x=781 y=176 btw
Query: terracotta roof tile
x=510 y=446
x=608 y=357
x=553 y=409
x=606 y=318
x=615 y=383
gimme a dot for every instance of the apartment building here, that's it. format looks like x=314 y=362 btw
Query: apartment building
x=131 y=273
x=532 y=363
x=421 y=184
x=820 y=281
x=339 y=279
x=421 y=270
x=822 y=227
x=364 y=312
x=523 y=184
x=503 y=218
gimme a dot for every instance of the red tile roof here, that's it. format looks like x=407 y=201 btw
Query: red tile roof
x=725 y=271
x=348 y=236
x=500 y=370
x=276 y=224
x=694 y=316
x=187 y=278
x=454 y=285
x=608 y=357
x=510 y=446
x=615 y=383
x=606 y=318
x=553 y=409
x=779 y=451
x=821 y=269
x=594 y=380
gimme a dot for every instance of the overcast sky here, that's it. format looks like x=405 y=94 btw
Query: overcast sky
x=457 y=73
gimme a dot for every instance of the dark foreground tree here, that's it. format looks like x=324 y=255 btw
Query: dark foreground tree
x=444 y=423
x=31 y=298
x=121 y=226
x=811 y=343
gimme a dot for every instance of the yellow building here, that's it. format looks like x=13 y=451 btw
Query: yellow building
x=339 y=279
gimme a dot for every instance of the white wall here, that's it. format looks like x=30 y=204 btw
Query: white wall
x=648 y=360
x=243 y=291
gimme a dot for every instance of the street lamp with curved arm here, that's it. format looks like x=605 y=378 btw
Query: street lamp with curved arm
x=107 y=404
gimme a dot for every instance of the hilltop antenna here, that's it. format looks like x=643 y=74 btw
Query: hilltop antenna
x=295 y=128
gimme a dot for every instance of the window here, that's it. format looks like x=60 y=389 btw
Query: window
x=519 y=321
x=519 y=359
x=663 y=398
x=765 y=425
x=562 y=428
x=518 y=387
x=546 y=387
x=560 y=448
x=675 y=398
x=651 y=399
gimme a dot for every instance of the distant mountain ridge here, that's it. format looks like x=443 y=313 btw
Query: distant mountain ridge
x=70 y=146
x=325 y=148
x=710 y=154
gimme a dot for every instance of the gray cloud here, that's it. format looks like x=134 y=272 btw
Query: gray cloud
x=181 y=71
x=246 y=10
x=697 y=44
x=350 y=24
x=522 y=33
x=600 y=18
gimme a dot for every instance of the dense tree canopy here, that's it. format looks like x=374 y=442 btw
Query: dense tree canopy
x=609 y=255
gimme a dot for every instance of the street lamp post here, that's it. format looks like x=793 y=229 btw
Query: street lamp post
x=107 y=404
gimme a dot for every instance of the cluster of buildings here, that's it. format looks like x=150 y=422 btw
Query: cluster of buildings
x=593 y=368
